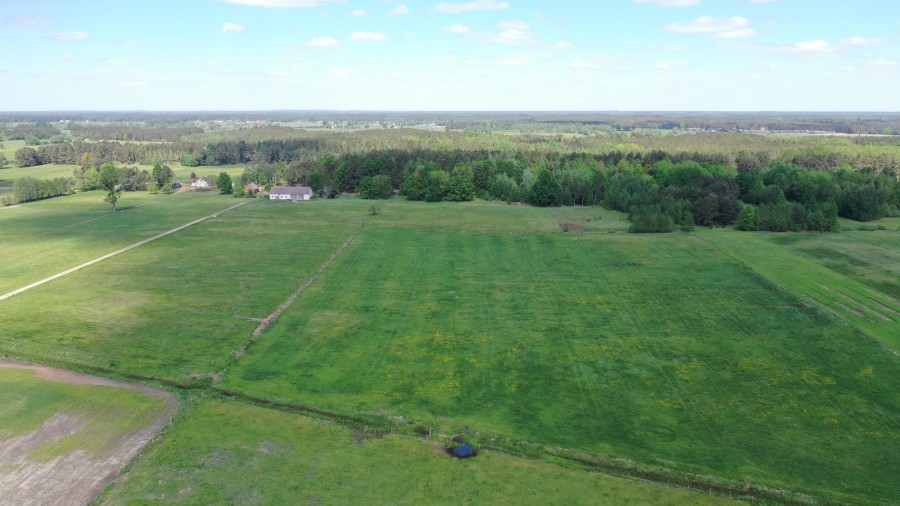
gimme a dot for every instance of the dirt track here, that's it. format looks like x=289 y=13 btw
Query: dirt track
x=78 y=477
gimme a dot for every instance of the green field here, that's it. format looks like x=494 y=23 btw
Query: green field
x=42 y=238
x=724 y=354
x=854 y=300
x=259 y=456
x=180 y=306
x=599 y=344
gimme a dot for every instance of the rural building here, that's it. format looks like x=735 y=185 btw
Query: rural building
x=202 y=183
x=252 y=187
x=290 y=193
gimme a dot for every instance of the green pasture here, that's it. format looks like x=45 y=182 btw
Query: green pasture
x=39 y=239
x=655 y=348
x=231 y=453
x=857 y=299
x=180 y=306
x=104 y=414
x=9 y=149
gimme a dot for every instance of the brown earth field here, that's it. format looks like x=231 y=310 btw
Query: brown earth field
x=53 y=464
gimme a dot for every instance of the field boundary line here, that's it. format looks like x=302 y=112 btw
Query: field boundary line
x=117 y=252
x=264 y=324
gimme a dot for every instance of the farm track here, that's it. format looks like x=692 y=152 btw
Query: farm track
x=117 y=252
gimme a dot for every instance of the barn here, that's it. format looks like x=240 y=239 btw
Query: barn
x=290 y=193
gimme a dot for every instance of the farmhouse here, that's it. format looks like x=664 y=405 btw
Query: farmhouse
x=290 y=193
x=202 y=183
x=252 y=187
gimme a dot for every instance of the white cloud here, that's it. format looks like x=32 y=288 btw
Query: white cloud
x=884 y=64
x=513 y=25
x=72 y=36
x=563 y=45
x=115 y=63
x=457 y=28
x=813 y=46
x=731 y=28
x=359 y=13
x=232 y=27
x=670 y=3
x=512 y=33
x=282 y=4
x=516 y=59
x=862 y=41
x=322 y=43
x=400 y=10
x=585 y=65
x=478 y=5
x=369 y=36
x=668 y=65
x=338 y=72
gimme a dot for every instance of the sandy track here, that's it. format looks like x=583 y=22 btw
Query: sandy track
x=78 y=477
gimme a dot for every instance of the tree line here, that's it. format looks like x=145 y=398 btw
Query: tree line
x=119 y=132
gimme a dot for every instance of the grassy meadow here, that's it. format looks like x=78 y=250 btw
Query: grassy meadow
x=180 y=306
x=595 y=343
x=42 y=238
x=260 y=456
x=720 y=353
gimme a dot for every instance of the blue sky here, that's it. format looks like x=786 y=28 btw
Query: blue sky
x=816 y=55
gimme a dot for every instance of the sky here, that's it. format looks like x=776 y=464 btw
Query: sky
x=451 y=55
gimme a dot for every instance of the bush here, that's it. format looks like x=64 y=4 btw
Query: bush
x=376 y=187
x=652 y=220
x=747 y=219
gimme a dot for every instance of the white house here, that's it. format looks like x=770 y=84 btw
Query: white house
x=290 y=193
x=200 y=183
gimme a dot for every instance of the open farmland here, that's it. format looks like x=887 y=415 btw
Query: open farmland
x=178 y=307
x=548 y=332
x=65 y=436
x=535 y=337
x=268 y=457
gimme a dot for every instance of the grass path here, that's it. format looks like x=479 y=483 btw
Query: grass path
x=117 y=252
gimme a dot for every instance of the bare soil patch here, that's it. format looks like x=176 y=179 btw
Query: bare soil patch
x=77 y=477
x=570 y=227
